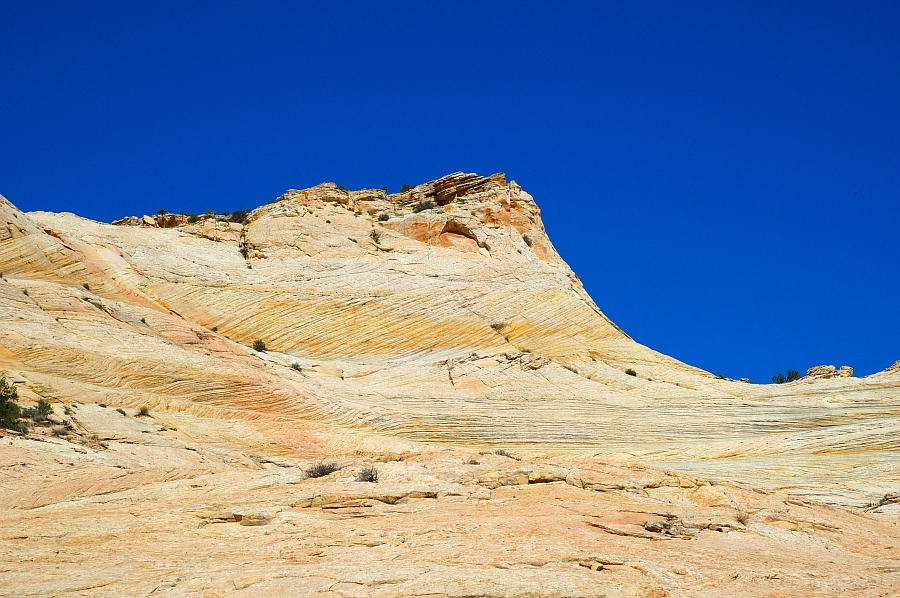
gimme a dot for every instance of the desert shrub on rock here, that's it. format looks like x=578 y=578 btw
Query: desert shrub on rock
x=9 y=408
x=259 y=345
x=780 y=378
x=322 y=470
x=631 y=372
x=425 y=205
x=40 y=413
x=368 y=474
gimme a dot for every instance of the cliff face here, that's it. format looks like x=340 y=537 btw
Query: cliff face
x=440 y=317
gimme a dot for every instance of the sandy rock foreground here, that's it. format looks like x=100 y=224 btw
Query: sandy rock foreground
x=143 y=509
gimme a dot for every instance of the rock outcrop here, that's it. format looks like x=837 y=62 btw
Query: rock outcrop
x=158 y=221
x=829 y=371
x=419 y=333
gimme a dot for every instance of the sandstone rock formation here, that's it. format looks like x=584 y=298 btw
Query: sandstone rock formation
x=419 y=333
x=158 y=221
x=829 y=371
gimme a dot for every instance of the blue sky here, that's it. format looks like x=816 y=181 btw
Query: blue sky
x=724 y=179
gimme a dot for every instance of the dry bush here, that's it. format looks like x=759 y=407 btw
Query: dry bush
x=368 y=474
x=322 y=469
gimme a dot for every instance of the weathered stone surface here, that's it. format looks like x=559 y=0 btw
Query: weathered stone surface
x=420 y=343
x=169 y=220
x=829 y=371
x=127 y=221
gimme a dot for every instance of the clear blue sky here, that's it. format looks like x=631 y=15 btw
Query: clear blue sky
x=724 y=179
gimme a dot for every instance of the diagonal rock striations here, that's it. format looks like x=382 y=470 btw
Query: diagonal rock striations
x=414 y=330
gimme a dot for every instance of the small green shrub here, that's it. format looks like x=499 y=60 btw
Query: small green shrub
x=193 y=218
x=404 y=188
x=322 y=469
x=244 y=251
x=792 y=375
x=383 y=217
x=368 y=474
x=259 y=345
x=9 y=408
x=631 y=372
x=296 y=366
x=527 y=239
x=503 y=453
x=239 y=215
x=162 y=212
x=40 y=413
x=342 y=188
x=425 y=205
x=143 y=412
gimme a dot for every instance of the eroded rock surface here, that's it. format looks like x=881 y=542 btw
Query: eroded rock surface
x=417 y=333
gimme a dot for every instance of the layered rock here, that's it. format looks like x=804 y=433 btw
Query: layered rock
x=829 y=371
x=158 y=221
x=416 y=328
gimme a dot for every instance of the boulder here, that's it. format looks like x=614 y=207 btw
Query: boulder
x=170 y=220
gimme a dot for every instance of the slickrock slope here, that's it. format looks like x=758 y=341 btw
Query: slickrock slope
x=410 y=331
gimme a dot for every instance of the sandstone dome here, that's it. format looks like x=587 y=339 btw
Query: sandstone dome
x=415 y=331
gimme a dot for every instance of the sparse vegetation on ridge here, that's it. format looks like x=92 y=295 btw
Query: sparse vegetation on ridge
x=259 y=345
x=792 y=375
x=425 y=205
